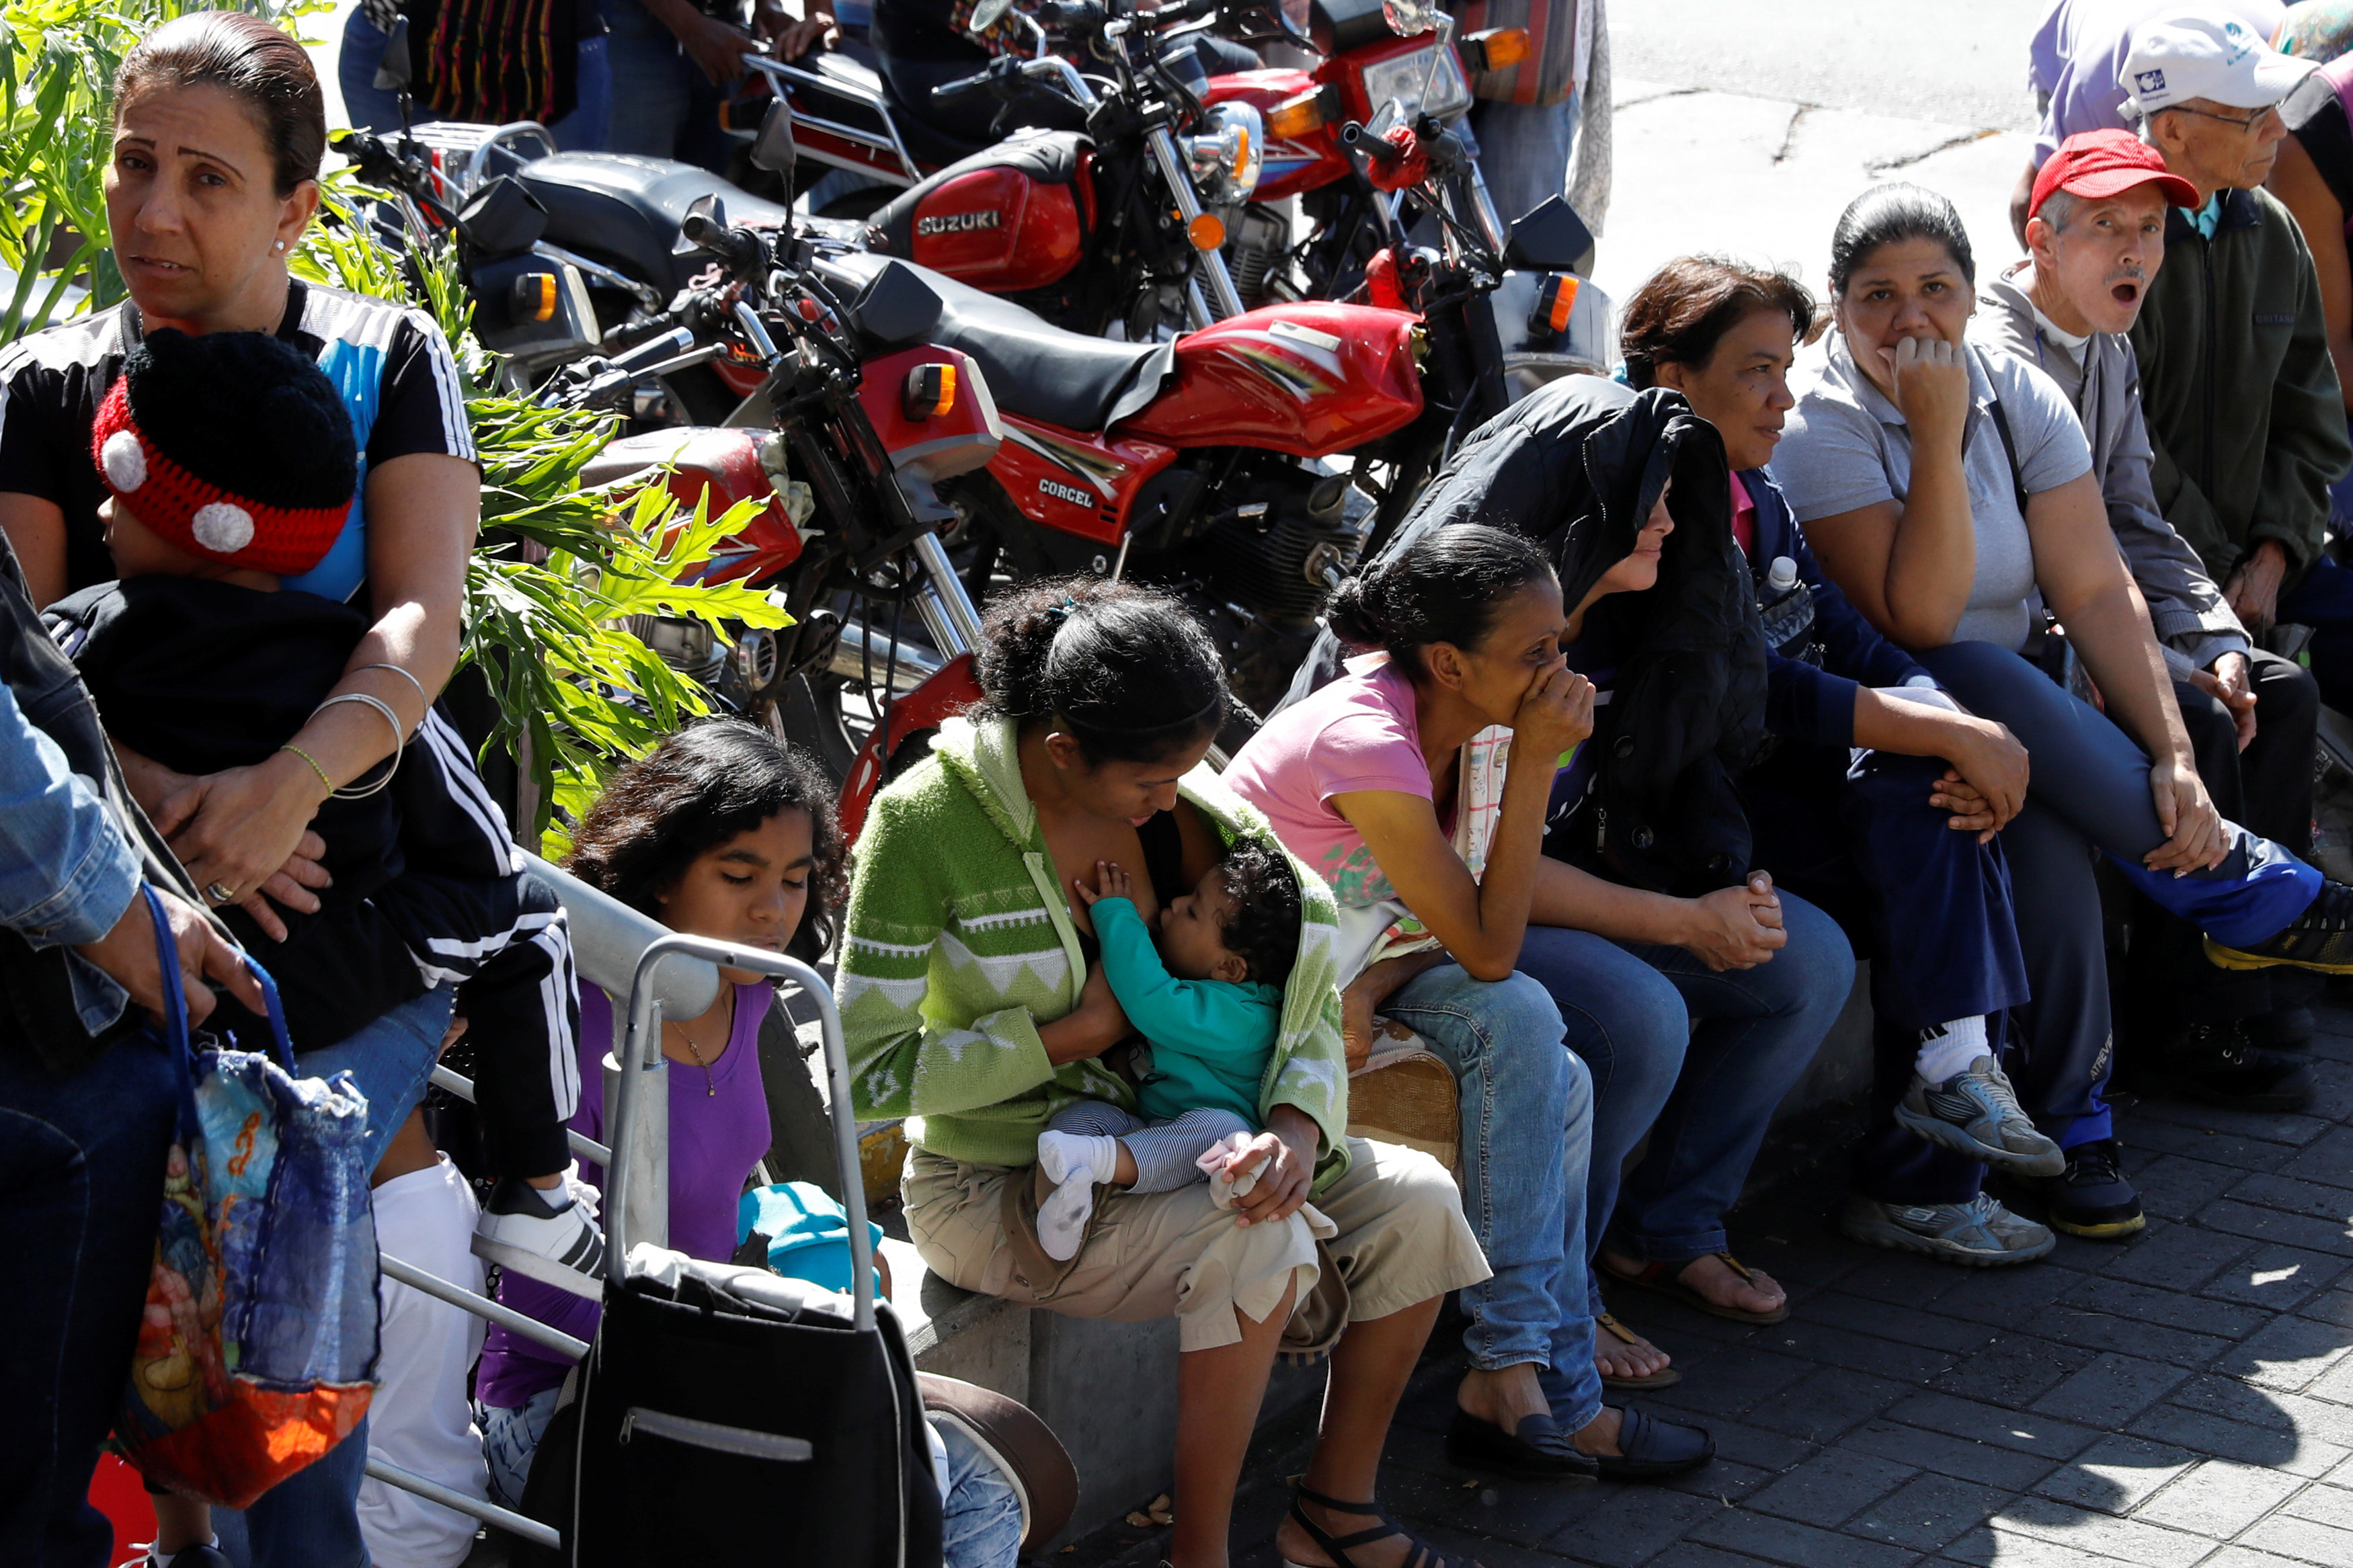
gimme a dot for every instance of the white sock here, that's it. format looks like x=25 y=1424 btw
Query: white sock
x=1074 y=1163
x=1947 y=1051
x=163 y=1559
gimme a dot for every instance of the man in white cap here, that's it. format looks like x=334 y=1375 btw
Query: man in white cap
x=2245 y=418
x=2073 y=62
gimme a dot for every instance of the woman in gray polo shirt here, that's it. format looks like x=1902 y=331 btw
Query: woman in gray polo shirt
x=1948 y=489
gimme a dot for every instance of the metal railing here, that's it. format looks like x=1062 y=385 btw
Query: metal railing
x=663 y=973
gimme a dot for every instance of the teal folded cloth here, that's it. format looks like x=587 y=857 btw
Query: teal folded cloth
x=807 y=1233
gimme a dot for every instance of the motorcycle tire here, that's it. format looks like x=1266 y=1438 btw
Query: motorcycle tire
x=809 y=714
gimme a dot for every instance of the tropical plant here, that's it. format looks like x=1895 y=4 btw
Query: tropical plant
x=557 y=572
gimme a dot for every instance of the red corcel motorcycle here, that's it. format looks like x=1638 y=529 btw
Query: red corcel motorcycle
x=1195 y=464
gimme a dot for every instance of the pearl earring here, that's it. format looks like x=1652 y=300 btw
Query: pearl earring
x=280 y=245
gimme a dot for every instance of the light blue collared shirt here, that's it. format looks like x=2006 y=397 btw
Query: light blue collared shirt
x=65 y=872
x=2205 y=219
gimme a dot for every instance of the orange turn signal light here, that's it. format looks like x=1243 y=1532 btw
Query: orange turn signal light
x=534 y=297
x=1497 y=49
x=1299 y=115
x=931 y=391
x=1206 y=232
x=1555 y=303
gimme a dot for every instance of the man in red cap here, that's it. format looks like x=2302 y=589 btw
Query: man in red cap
x=2096 y=238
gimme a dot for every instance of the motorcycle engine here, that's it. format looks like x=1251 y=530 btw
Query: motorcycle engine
x=1268 y=562
x=1259 y=240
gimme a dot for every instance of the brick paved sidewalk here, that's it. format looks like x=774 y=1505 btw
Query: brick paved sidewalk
x=2184 y=1398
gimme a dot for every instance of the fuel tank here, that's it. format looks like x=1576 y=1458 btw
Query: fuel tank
x=1013 y=217
x=1310 y=378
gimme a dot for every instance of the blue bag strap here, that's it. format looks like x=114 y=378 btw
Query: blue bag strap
x=177 y=1044
x=281 y=1048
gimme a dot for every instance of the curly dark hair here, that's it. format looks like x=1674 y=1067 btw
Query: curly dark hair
x=698 y=789
x=1125 y=669
x=1263 y=929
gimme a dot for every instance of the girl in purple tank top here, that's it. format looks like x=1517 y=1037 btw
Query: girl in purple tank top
x=719 y=832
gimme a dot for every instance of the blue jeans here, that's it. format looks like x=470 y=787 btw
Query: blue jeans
x=1523 y=152
x=2090 y=791
x=369 y=108
x=663 y=106
x=1932 y=909
x=310 y=1520
x=1705 y=1104
x=1527 y=1130
x=981 y=1527
x=81 y=1182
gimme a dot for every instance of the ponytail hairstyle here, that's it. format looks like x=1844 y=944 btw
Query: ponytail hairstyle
x=1889 y=215
x=696 y=791
x=1123 y=669
x=1446 y=587
x=255 y=62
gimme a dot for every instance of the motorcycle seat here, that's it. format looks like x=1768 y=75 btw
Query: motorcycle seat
x=625 y=210
x=1034 y=367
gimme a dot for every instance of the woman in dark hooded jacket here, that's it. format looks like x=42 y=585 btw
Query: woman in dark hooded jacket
x=1645 y=916
x=1651 y=918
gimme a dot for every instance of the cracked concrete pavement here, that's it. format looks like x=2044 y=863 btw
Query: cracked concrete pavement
x=1746 y=129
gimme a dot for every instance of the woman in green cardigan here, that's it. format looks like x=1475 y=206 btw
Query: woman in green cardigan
x=976 y=1006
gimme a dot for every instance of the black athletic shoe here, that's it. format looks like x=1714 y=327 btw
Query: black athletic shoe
x=2091 y=1197
x=2287 y=1030
x=2319 y=939
x=2216 y=1064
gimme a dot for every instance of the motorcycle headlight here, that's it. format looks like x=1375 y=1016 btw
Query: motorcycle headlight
x=1226 y=153
x=1401 y=78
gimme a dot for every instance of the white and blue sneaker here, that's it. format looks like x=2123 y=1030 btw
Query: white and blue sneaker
x=1976 y=1114
x=1977 y=1234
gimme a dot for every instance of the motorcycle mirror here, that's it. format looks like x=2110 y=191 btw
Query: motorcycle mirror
x=504 y=218
x=1550 y=239
x=987 y=15
x=1410 y=18
x=392 y=73
x=773 y=150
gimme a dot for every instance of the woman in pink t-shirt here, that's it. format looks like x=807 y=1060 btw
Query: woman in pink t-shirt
x=1360 y=781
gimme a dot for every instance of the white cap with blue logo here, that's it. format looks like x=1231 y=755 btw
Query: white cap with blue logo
x=2189 y=54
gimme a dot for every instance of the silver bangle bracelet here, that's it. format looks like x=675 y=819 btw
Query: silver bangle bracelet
x=403 y=675
x=399 y=739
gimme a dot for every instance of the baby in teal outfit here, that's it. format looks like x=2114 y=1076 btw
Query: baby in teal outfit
x=1205 y=990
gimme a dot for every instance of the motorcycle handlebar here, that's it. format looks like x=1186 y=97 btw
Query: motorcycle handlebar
x=653 y=351
x=1354 y=137
x=978 y=82
x=1072 y=16
x=739 y=248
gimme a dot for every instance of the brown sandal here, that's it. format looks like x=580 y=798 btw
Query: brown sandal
x=1667 y=1279
x=1665 y=1377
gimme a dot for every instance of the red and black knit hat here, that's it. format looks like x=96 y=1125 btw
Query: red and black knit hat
x=234 y=446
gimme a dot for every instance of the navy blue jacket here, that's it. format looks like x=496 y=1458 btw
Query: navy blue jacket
x=1805 y=701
